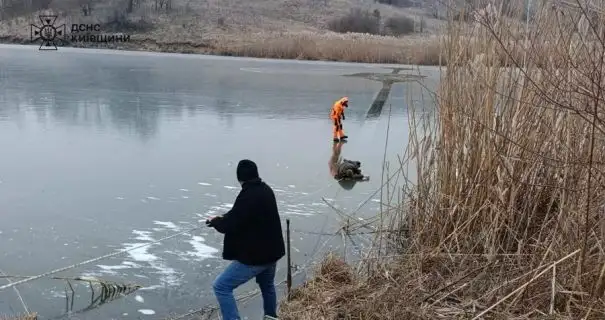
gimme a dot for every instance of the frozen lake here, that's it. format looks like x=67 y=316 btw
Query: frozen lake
x=103 y=151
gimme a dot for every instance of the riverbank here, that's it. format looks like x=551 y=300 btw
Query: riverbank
x=362 y=48
x=335 y=30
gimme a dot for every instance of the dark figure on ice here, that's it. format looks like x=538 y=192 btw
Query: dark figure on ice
x=253 y=241
x=347 y=172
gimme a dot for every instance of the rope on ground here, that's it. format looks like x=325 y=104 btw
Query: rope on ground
x=363 y=203
x=329 y=185
x=4 y=275
x=323 y=228
x=95 y=259
x=253 y=293
x=110 y=255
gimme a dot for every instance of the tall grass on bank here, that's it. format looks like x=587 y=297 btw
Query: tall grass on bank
x=229 y=41
x=506 y=218
x=337 y=47
x=29 y=316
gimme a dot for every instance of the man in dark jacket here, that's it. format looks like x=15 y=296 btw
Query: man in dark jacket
x=253 y=241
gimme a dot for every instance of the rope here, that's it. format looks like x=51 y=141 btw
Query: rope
x=120 y=252
x=316 y=191
x=4 y=275
x=94 y=260
x=110 y=255
x=253 y=293
x=363 y=203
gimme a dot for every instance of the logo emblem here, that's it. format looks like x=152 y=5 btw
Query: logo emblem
x=48 y=33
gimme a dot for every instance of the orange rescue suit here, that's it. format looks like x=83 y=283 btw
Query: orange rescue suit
x=337 y=115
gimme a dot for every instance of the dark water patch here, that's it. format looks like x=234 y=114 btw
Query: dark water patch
x=387 y=79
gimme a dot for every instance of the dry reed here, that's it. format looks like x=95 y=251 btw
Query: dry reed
x=336 y=47
x=304 y=45
x=505 y=220
x=262 y=29
x=28 y=316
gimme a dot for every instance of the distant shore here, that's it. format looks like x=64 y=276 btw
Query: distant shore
x=360 y=48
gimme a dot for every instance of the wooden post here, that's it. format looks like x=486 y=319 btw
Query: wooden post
x=289 y=277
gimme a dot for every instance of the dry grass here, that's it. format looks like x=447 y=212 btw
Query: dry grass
x=506 y=218
x=29 y=316
x=292 y=29
x=304 y=45
x=337 y=47
x=428 y=287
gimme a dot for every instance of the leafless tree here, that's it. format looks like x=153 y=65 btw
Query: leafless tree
x=163 y=4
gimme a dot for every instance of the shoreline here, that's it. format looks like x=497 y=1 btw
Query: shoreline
x=318 y=48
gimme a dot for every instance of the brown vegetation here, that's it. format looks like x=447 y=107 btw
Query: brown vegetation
x=28 y=316
x=334 y=47
x=333 y=30
x=505 y=220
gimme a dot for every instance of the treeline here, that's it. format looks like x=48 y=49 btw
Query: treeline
x=400 y=3
x=112 y=15
x=366 y=21
x=14 y=8
x=520 y=9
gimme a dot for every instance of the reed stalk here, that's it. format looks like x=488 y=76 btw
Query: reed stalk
x=505 y=218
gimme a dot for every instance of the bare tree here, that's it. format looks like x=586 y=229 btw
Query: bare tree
x=12 y=8
x=163 y=4
x=132 y=4
x=86 y=7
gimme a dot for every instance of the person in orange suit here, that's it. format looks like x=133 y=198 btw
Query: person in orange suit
x=337 y=115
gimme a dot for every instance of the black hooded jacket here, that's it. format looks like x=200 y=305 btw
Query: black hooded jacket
x=252 y=228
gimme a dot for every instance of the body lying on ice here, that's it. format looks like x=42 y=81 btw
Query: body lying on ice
x=350 y=170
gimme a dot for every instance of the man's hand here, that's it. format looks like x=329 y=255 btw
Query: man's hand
x=343 y=116
x=210 y=222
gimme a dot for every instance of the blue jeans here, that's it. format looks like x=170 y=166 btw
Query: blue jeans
x=237 y=274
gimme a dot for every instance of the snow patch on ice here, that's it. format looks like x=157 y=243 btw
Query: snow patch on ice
x=167 y=224
x=147 y=311
x=299 y=213
x=202 y=250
